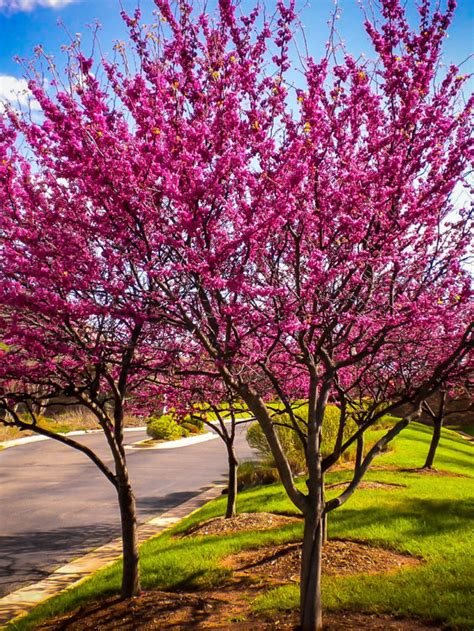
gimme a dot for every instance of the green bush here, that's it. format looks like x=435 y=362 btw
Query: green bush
x=250 y=474
x=290 y=441
x=165 y=428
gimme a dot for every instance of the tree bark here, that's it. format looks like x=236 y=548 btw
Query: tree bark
x=313 y=511
x=310 y=588
x=438 y=424
x=359 y=451
x=232 y=486
x=128 y=514
x=324 y=524
x=435 y=438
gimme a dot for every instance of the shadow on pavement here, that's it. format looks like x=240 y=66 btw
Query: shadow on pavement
x=30 y=556
x=148 y=506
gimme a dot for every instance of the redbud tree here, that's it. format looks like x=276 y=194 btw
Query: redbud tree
x=70 y=323
x=312 y=228
x=294 y=217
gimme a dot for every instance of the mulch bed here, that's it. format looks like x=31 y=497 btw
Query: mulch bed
x=341 y=558
x=392 y=468
x=437 y=472
x=223 y=609
x=240 y=523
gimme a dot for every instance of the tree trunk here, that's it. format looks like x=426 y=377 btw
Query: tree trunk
x=232 y=487
x=438 y=424
x=310 y=588
x=128 y=514
x=359 y=452
x=324 y=524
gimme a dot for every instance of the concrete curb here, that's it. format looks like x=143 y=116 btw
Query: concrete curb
x=15 y=442
x=173 y=444
x=22 y=601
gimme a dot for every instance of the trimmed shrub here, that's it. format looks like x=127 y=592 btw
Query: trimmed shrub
x=250 y=474
x=289 y=441
x=165 y=428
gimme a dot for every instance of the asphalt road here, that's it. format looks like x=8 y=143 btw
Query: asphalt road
x=55 y=505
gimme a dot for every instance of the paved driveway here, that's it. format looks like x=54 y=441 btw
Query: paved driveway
x=55 y=505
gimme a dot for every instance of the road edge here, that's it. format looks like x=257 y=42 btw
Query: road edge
x=183 y=442
x=168 y=444
x=21 y=602
x=17 y=442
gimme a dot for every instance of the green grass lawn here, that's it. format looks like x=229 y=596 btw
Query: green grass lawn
x=430 y=518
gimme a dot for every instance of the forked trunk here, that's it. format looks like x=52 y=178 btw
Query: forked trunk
x=310 y=588
x=435 y=438
x=128 y=514
x=232 y=488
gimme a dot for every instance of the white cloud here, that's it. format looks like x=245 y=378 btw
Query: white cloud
x=14 y=6
x=16 y=92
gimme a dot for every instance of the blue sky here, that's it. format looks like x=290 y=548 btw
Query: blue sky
x=27 y=23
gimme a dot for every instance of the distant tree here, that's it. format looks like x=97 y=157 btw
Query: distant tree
x=438 y=410
x=409 y=365
x=227 y=418
x=193 y=389
x=437 y=416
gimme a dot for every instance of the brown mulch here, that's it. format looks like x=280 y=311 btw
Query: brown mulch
x=227 y=608
x=438 y=472
x=359 y=621
x=368 y=485
x=240 y=523
x=392 y=468
x=340 y=558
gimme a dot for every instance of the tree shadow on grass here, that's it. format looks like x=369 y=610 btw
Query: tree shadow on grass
x=459 y=445
x=426 y=516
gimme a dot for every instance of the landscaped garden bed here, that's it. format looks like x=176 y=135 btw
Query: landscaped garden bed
x=340 y=558
x=225 y=608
